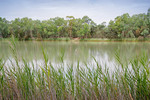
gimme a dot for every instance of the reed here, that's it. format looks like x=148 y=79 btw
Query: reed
x=129 y=81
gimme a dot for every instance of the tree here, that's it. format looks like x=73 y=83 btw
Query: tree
x=139 y=23
x=148 y=18
x=112 y=31
x=130 y=34
x=122 y=26
x=4 y=24
x=99 y=30
x=60 y=24
x=70 y=23
x=145 y=32
x=84 y=31
x=148 y=15
x=37 y=29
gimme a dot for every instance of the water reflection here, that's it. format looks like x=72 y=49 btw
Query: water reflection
x=103 y=52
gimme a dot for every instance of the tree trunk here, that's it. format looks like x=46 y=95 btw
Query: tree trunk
x=31 y=35
x=1 y=35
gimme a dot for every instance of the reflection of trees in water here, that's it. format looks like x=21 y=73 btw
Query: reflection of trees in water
x=126 y=50
x=81 y=51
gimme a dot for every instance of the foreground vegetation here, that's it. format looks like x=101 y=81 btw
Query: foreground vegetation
x=26 y=81
x=124 y=26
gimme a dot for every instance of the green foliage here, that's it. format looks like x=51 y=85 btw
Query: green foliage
x=145 y=32
x=148 y=15
x=124 y=26
x=130 y=34
x=4 y=28
x=29 y=81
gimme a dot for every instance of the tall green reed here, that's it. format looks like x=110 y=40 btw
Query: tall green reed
x=75 y=81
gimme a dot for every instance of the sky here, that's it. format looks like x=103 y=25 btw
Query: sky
x=98 y=10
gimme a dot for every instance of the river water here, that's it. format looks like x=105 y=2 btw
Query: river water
x=72 y=52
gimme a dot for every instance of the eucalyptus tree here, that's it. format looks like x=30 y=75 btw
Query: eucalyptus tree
x=37 y=28
x=22 y=28
x=121 y=25
x=54 y=27
x=112 y=31
x=60 y=25
x=83 y=31
x=148 y=15
x=16 y=28
x=27 y=27
x=148 y=18
x=100 y=30
x=125 y=26
x=139 y=24
x=70 y=23
x=77 y=28
x=88 y=22
x=4 y=30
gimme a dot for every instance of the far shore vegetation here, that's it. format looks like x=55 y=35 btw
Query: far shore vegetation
x=124 y=27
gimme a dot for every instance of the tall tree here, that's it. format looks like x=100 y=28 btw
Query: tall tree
x=4 y=31
x=70 y=23
x=148 y=17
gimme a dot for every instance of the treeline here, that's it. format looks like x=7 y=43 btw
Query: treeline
x=124 y=26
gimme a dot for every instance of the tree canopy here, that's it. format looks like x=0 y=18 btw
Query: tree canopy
x=124 y=26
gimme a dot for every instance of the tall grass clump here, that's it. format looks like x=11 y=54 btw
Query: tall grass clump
x=25 y=81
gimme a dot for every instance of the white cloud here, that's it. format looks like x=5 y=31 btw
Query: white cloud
x=98 y=10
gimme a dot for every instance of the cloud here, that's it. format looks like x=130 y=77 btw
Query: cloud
x=98 y=10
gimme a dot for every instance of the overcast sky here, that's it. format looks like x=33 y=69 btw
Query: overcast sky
x=98 y=10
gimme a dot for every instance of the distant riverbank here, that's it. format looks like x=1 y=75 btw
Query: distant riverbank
x=86 y=39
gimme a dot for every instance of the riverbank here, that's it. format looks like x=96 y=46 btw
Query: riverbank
x=85 y=39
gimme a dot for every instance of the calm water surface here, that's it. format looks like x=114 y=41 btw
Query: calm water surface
x=103 y=52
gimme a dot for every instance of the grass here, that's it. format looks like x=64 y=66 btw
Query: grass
x=24 y=82
x=99 y=39
x=115 y=40
x=85 y=39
